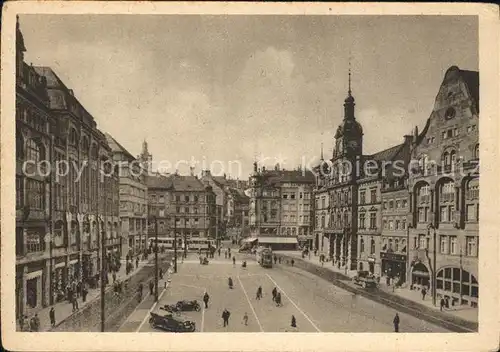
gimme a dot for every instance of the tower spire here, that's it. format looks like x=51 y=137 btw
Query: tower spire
x=349 y=91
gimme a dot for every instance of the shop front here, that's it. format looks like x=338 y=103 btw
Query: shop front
x=279 y=243
x=420 y=275
x=59 y=280
x=394 y=266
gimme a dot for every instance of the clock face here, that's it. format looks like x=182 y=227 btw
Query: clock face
x=353 y=144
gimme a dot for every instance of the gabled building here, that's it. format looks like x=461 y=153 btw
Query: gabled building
x=444 y=192
x=133 y=199
x=281 y=207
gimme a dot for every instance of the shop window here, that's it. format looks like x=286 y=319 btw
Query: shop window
x=32 y=292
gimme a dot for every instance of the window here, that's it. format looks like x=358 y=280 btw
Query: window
x=186 y=198
x=391 y=204
x=403 y=224
x=73 y=138
x=362 y=199
x=323 y=202
x=300 y=195
x=19 y=192
x=405 y=203
x=398 y=204
x=186 y=210
x=396 y=245
x=451 y=213
x=385 y=205
x=292 y=196
x=471 y=212
x=471 y=246
x=34 y=242
x=372 y=246
x=362 y=245
x=476 y=152
x=177 y=198
x=162 y=199
x=285 y=196
x=442 y=247
x=385 y=224
x=373 y=196
x=34 y=152
x=443 y=214
x=373 y=221
x=453 y=245
x=361 y=220
x=397 y=224
x=35 y=194
x=422 y=242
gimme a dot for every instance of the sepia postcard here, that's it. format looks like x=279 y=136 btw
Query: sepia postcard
x=225 y=176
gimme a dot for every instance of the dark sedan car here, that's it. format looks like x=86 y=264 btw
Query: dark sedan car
x=171 y=324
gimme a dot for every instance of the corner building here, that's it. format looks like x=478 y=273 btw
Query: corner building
x=444 y=192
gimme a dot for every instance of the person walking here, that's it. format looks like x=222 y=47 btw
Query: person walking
x=442 y=304
x=206 y=298
x=140 y=289
x=35 y=323
x=259 y=293
x=275 y=259
x=274 y=292
x=293 y=262
x=278 y=299
x=294 y=322
x=85 y=291
x=218 y=251
x=245 y=319
x=52 y=315
x=137 y=262
x=225 y=254
x=74 y=301
x=234 y=260
x=396 y=323
x=424 y=292
x=151 y=287
x=225 y=317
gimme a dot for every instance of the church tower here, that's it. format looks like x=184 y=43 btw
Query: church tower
x=145 y=158
x=349 y=135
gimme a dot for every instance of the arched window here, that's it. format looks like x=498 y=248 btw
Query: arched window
x=73 y=137
x=361 y=245
x=476 y=152
x=390 y=244
x=396 y=245
x=453 y=157
x=372 y=246
x=446 y=158
x=59 y=234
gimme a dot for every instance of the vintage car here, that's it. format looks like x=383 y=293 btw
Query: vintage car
x=171 y=323
x=365 y=279
x=182 y=306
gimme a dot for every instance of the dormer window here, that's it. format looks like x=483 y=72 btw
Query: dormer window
x=72 y=137
x=450 y=113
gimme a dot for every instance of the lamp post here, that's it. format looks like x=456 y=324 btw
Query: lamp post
x=156 y=258
x=434 y=293
x=175 y=244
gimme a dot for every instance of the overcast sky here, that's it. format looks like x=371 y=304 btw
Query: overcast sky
x=232 y=87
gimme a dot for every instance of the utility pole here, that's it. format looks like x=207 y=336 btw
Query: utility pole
x=175 y=244
x=156 y=259
x=185 y=240
x=434 y=291
x=103 y=256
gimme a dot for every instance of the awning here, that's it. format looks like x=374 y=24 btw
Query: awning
x=249 y=239
x=292 y=240
x=420 y=273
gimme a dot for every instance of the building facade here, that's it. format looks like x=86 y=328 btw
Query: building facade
x=133 y=199
x=219 y=187
x=237 y=213
x=281 y=207
x=444 y=192
x=64 y=166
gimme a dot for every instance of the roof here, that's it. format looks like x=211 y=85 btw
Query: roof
x=471 y=79
x=288 y=176
x=387 y=154
x=239 y=196
x=117 y=147
x=158 y=181
x=187 y=183
x=221 y=180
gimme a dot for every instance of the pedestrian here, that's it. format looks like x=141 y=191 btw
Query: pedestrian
x=114 y=276
x=85 y=290
x=52 y=315
x=151 y=287
x=279 y=260
x=442 y=303
x=245 y=319
x=35 y=323
x=161 y=274
x=274 y=292
x=259 y=293
x=75 y=302
x=79 y=288
x=229 y=252
x=293 y=262
x=137 y=262
x=278 y=299
x=234 y=260
x=424 y=292
x=275 y=259
x=294 y=322
x=139 y=289
x=218 y=251
x=206 y=298
x=396 y=323
x=225 y=254
x=225 y=317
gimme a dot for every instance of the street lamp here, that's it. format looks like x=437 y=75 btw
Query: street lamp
x=175 y=244
x=156 y=256
x=434 y=293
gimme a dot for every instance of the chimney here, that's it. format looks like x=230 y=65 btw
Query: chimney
x=415 y=134
x=408 y=138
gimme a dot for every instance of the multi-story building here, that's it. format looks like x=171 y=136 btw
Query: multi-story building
x=281 y=207
x=395 y=208
x=444 y=192
x=184 y=207
x=337 y=181
x=237 y=213
x=59 y=220
x=133 y=198
x=219 y=186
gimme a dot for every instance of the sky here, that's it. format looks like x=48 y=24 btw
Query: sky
x=222 y=91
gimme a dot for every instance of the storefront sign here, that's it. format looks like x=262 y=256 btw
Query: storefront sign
x=392 y=256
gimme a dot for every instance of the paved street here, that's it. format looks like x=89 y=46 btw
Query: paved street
x=317 y=305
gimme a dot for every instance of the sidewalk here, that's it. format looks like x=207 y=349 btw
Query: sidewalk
x=64 y=309
x=462 y=312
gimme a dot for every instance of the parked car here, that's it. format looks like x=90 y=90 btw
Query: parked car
x=365 y=279
x=171 y=324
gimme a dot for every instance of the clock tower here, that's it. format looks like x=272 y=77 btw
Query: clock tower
x=349 y=135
